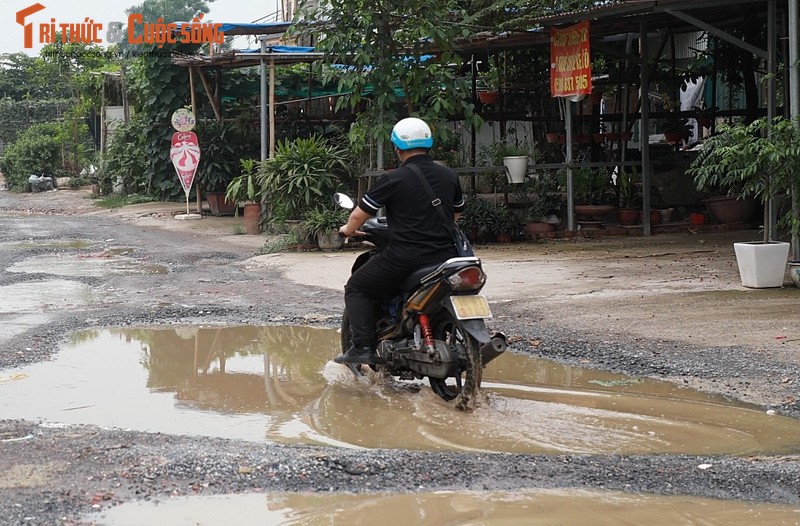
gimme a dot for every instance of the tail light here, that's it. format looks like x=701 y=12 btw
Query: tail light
x=469 y=278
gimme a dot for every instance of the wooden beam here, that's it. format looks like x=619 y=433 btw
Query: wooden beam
x=210 y=95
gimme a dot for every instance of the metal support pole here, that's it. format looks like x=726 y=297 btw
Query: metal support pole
x=568 y=160
x=771 y=213
x=794 y=99
x=263 y=105
x=271 y=107
x=644 y=133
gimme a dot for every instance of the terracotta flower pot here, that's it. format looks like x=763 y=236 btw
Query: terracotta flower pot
x=536 y=228
x=627 y=216
x=730 y=209
x=673 y=137
x=488 y=97
x=696 y=218
x=252 y=218
x=596 y=212
x=655 y=217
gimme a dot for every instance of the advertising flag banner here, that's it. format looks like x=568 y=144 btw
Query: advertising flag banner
x=570 y=63
x=185 y=155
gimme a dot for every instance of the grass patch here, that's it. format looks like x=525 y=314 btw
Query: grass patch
x=118 y=201
x=281 y=244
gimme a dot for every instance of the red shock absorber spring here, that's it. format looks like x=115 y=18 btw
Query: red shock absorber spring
x=427 y=334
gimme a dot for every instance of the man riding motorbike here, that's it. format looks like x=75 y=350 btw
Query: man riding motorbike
x=418 y=236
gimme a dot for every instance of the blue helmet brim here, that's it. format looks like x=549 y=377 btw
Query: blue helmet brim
x=412 y=144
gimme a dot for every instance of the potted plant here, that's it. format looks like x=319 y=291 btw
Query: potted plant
x=755 y=160
x=506 y=225
x=540 y=201
x=488 y=85
x=478 y=219
x=717 y=173
x=303 y=174
x=323 y=225
x=223 y=144
x=511 y=154
x=628 y=195
x=246 y=189
x=705 y=116
x=677 y=129
x=593 y=193
x=793 y=223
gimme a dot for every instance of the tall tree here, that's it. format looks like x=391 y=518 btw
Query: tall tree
x=391 y=58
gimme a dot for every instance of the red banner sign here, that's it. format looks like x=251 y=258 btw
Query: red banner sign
x=570 y=65
x=185 y=155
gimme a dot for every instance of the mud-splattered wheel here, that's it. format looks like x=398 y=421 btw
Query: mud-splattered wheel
x=451 y=332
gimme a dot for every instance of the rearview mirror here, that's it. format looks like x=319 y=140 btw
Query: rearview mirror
x=343 y=200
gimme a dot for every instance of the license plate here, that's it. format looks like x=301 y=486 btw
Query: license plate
x=470 y=307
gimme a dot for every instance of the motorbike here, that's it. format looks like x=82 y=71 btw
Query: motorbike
x=435 y=327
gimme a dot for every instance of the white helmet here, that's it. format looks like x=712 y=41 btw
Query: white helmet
x=411 y=133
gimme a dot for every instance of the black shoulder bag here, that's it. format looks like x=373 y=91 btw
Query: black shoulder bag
x=460 y=240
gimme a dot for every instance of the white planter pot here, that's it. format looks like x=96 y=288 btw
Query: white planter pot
x=794 y=272
x=517 y=167
x=762 y=265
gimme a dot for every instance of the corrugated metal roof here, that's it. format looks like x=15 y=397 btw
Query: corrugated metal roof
x=619 y=18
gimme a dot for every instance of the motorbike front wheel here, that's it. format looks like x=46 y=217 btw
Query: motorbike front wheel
x=453 y=334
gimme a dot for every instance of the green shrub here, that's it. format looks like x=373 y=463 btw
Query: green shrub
x=124 y=158
x=304 y=174
x=37 y=151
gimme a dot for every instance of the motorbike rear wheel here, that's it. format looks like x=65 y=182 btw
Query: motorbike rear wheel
x=453 y=334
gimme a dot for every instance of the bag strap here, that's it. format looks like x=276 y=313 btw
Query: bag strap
x=435 y=201
x=460 y=241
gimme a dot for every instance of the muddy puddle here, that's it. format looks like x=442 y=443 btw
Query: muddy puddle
x=88 y=264
x=25 y=306
x=278 y=384
x=43 y=295
x=542 y=507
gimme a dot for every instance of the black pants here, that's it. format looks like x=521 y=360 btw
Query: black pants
x=378 y=279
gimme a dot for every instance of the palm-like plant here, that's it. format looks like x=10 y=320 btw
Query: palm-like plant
x=245 y=187
x=304 y=173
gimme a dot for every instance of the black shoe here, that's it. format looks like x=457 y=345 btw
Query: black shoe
x=364 y=355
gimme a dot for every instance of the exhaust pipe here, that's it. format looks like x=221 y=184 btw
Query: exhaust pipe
x=493 y=348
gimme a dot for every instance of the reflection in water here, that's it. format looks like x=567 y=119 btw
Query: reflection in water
x=530 y=507
x=279 y=384
x=241 y=369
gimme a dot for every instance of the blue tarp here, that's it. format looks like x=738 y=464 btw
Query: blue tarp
x=281 y=49
x=231 y=26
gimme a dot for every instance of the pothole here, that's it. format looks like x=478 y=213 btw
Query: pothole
x=278 y=384
x=563 y=507
x=95 y=264
x=43 y=296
